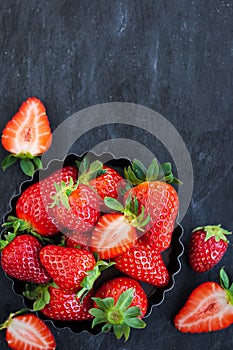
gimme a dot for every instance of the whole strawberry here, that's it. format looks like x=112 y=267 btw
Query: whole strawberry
x=32 y=207
x=207 y=246
x=143 y=263
x=159 y=199
x=20 y=258
x=119 y=303
x=108 y=184
x=75 y=207
x=67 y=307
x=73 y=270
x=209 y=307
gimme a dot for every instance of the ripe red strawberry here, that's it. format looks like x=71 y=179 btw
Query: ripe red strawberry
x=67 y=266
x=73 y=270
x=207 y=246
x=67 y=307
x=26 y=332
x=32 y=206
x=27 y=135
x=115 y=233
x=107 y=184
x=159 y=199
x=208 y=308
x=143 y=263
x=120 y=303
x=20 y=258
x=79 y=210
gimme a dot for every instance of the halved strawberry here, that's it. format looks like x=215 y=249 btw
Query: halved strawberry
x=27 y=331
x=27 y=135
x=115 y=233
x=208 y=308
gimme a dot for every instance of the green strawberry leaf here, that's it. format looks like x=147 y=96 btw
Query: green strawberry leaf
x=112 y=203
x=37 y=163
x=139 y=169
x=8 y=161
x=153 y=171
x=224 y=279
x=27 y=166
x=135 y=323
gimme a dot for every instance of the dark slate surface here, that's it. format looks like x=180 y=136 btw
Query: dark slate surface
x=172 y=56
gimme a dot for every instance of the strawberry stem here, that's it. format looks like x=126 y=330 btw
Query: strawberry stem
x=11 y=316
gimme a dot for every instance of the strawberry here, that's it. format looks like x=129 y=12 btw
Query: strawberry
x=33 y=213
x=120 y=303
x=208 y=308
x=20 y=258
x=115 y=233
x=59 y=305
x=75 y=207
x=158 y=197
x=27 y=331
x=71 y=269
x=207 y=246
x=27 y=135
x=107 y=184
x=143 y=263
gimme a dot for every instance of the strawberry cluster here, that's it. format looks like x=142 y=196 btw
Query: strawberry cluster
x=81 y=220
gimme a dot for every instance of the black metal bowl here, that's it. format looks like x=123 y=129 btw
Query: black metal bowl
x=171 y=256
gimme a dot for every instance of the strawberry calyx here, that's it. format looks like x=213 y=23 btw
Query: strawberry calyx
x=22 y=226
x=136 y=173
x=225 y=284
x=88 y=171
x=28 y=162
x=88 y=281
x=8 y=238
x=130 y=211
x=214 y=231
x=118 y=316
x=39 y=294
x=11 y=316
x=63 y=191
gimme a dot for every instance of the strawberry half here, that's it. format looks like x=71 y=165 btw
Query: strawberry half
x=115 y=233
x=120 y=303
x=207 y=246
x=143 y=263
x=208 y=308
x=27 y=135
x=159 y=199
x=20 y=258
x=27 y=332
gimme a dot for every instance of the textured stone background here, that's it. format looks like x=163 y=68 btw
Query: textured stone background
x=172 y=56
